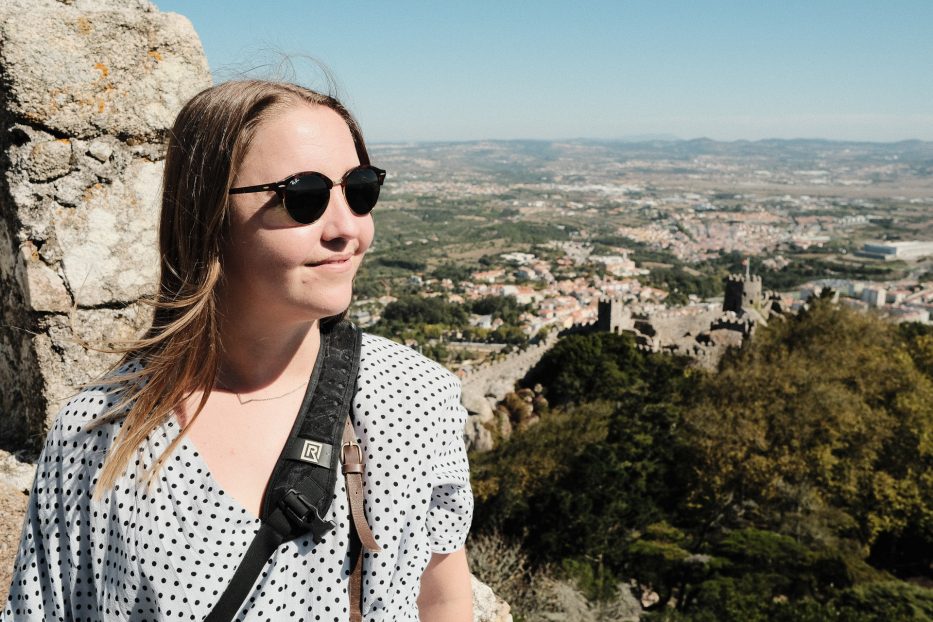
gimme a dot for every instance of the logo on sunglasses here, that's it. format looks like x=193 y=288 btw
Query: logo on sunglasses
x=311 y=452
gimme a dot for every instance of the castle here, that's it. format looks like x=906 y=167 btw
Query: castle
x=702 y=331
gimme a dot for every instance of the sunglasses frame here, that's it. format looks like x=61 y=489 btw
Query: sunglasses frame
x=280 y=188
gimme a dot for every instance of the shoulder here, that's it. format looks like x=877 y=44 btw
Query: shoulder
x=89 y=420
x=395 y=378
x=386 y=359
x=405 y=399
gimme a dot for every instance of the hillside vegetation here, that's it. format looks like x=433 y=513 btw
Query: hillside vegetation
x=796 y=483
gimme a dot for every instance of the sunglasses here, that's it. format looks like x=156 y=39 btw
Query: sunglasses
x=306 y=195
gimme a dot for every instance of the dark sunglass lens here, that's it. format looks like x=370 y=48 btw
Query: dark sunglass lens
x=306 y=198
x=362 y=190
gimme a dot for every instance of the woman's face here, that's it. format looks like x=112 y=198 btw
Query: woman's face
x=287 y=271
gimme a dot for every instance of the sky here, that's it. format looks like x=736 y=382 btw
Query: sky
x=453 y=70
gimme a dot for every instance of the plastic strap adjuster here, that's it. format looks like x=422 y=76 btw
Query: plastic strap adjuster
x=302 y=515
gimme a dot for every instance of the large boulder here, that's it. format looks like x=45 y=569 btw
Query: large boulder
x=89 y=90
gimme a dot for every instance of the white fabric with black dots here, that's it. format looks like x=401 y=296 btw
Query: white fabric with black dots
x=168 y=552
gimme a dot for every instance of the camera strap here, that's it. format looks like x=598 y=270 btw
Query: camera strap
x=301 y=487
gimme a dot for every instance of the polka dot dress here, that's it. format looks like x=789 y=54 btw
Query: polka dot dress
x=167 y=552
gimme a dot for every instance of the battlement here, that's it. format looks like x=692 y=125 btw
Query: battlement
x=741 y=278
x=733 y=322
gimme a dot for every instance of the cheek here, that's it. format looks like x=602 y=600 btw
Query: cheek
x=269 y=253
x=367 y=233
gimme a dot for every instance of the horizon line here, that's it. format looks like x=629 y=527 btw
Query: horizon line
x=650 y=139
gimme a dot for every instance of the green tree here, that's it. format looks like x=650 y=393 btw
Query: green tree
x=820 y=428
x=409 y=310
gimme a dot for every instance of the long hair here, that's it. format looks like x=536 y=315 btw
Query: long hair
x=180 y=352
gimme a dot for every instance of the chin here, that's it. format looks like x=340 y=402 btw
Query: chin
x=329 y=310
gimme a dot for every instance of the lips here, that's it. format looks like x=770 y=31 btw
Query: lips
x=334 y=260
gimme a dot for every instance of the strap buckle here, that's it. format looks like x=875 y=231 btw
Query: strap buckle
x=343 y=452
x=303 y=516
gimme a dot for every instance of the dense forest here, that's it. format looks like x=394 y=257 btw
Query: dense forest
x=794 y=483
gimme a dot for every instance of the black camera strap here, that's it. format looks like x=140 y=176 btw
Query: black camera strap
x=301 y=487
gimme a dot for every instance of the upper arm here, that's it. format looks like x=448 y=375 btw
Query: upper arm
x=451 y=510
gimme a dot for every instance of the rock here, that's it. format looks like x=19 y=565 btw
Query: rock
x=623 y=607
x=487 y=607
x=649 y=597
x=71 y=190
x=100 y=151
x=16 y=472
x=12 y=510
x=49 y=159
x=81 y=5
x=477 y=436
x=89 y=90
x=477 y=405
x=63 y=357
x=83 y=73
x=43 y=288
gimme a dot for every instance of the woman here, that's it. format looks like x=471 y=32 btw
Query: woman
x=149 y=487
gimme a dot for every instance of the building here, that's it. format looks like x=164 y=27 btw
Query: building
x=892 y=251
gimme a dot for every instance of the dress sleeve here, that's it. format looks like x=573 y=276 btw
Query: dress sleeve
x=42 y=571
x=451 y=509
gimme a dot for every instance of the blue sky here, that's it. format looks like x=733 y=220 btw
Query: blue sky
x=479 y=69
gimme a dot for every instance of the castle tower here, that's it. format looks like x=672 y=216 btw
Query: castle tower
x=612 y=316
x=742 y=292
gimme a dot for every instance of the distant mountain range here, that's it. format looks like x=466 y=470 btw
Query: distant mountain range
x=769 y=154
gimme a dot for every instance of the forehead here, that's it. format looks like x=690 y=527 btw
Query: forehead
x=301 y=137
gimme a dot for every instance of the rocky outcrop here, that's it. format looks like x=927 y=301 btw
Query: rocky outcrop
x=89 y=89
x=487 y=607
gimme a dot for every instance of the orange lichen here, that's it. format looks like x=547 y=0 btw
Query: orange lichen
x=103 y=69
x=92 y=192
x=101 y=105
x=64 y=141
x=154 y=54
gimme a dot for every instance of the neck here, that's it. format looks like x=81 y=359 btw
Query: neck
x=260 y=355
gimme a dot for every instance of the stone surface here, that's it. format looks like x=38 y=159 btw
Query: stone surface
x=100 y=150
x=89 y=90
x=476 y=404
x=12 y=510
x=498 y=378
x=49 y=159
x=85 y=72
x=44 y=288
x=476 y=435
x=63 y=352
x=16 y=472
x=487 y=607
x=109 y=247
x=81 y=5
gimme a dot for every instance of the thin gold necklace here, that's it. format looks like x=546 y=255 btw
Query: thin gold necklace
x=259 y=399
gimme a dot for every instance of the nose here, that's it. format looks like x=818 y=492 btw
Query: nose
x=339 y=221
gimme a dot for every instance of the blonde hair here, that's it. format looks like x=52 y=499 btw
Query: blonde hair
x=180 y=350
